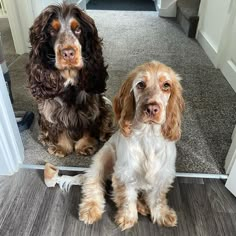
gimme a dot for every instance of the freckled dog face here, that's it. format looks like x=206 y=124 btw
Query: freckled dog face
x=65 y=35
x=152 y=90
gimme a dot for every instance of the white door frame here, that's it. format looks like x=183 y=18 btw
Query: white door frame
x=11 y=147
x=231 y=156
x=225 y=64
x=231 y=184
x=230 y=165
x=16 y=26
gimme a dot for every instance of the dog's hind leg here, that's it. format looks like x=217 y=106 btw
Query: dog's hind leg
x=92 y=205
x=107 y=126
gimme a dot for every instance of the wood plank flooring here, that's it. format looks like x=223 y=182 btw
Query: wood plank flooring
x=27 y=207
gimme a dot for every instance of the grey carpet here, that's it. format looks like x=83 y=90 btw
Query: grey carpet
x=132 y=38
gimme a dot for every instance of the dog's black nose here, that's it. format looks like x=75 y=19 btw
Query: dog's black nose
x=152 y=109
x=68 y=54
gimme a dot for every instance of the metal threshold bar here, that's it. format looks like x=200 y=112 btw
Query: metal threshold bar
x=178 y=174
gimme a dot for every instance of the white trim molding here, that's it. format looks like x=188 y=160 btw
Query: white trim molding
x=231 y=156
x=229 y=71
x=230 y=183
x=208 y=47
x=11 y=147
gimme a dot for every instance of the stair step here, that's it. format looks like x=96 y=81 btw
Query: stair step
x=187 y=16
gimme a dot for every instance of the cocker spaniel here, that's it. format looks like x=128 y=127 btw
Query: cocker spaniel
x=141 y=155
x=67 y=76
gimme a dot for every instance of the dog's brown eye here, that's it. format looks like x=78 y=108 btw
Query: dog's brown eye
x=52 y=32
x=166 y=86
x=77 y=30
x=141 y=85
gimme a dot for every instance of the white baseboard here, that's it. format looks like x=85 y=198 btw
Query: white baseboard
x=208 y=47
x=229 y=71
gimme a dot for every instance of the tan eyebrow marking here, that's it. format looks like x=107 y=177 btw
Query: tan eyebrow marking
x=56 y=25
x=74 y=24
x=162 y=79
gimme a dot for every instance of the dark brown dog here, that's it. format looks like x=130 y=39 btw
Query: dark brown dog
x=67 y=76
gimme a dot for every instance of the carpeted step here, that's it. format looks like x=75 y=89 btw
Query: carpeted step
x=187 y=16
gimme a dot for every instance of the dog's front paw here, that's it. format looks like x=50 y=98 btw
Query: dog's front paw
x=86 y=146
x=126 y=219
x=86 y=150
x=90 y=212
x=57 y=151
x=44 y=140
x=167 y=218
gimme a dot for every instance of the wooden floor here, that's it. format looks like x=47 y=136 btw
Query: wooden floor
x=204 y=207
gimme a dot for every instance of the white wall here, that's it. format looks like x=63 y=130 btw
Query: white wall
x=213 y=18
x=216 y=34
x=26 y=19
x=3 y=10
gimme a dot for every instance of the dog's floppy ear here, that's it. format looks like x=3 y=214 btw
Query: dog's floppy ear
x=37 y=32
x=94 y=73
x=124 y=106
x=171 y=129
x=43 y=82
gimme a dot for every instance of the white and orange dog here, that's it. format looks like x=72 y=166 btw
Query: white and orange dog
x=140 y=156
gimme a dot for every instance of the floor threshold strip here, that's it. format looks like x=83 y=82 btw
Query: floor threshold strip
x=178 y=174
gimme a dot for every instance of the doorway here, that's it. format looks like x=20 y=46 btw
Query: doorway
x=202 y=148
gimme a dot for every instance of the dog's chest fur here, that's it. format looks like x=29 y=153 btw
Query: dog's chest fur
x=144 y=158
